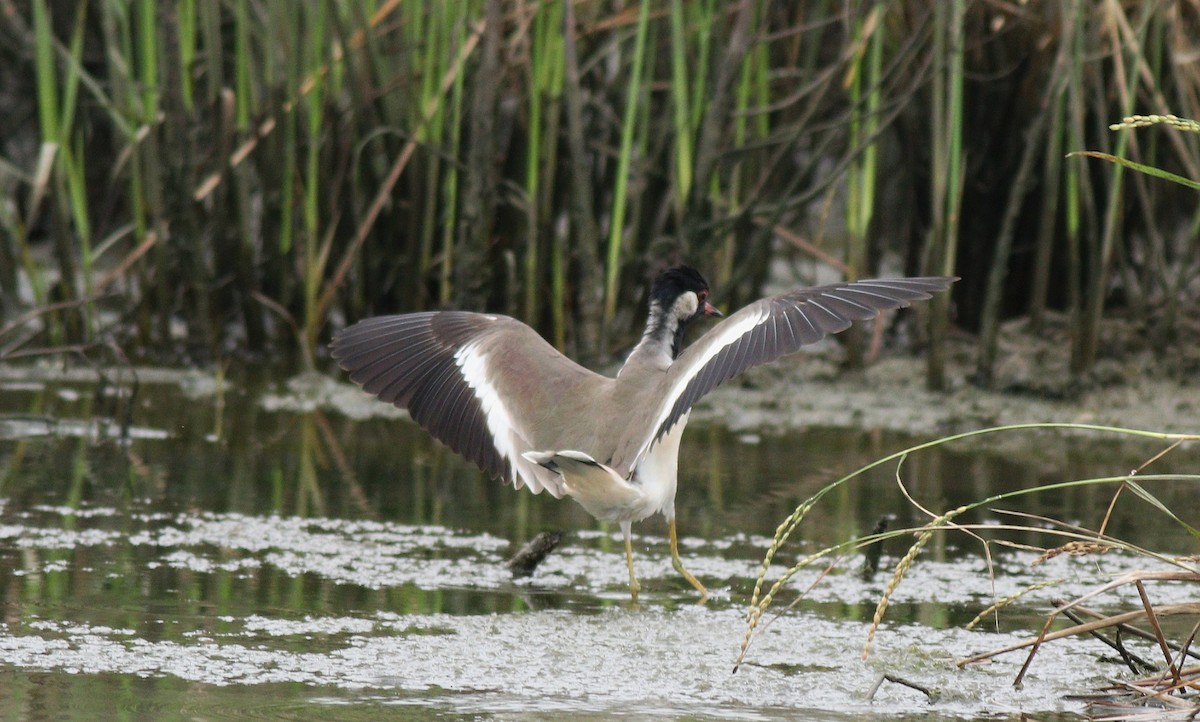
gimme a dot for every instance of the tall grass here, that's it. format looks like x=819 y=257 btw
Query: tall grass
x=865 y=95
x=947 y=173
x=243 y=176
x=620 y=193
x=1136 y=482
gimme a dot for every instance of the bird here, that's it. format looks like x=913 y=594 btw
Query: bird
x=493 y=390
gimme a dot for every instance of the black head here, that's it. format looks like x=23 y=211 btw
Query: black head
x=674 y=282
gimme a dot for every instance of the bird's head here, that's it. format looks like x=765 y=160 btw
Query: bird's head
x=682 y=293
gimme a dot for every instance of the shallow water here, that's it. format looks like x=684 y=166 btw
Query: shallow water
x=203 y=550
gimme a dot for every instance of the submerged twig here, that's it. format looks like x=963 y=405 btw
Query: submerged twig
x=1134 y=662
x=1190 y=608
x=535 y=551
x=1134 y=631
x=1183 y=608
x=931 y=694
x=871 y=557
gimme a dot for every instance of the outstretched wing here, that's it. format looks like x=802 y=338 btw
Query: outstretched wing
x=764 y=331
x=481 y=384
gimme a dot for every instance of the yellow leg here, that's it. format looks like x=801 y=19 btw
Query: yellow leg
x=634 y=587
x=678 y=563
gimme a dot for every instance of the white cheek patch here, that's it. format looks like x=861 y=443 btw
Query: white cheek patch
x=686 y=305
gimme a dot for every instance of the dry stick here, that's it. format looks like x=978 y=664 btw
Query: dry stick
x=796 y=240
x=43 y=310
x=79 y=349
x=1156 y=457
x=1151 y=687
x=1044 y=637
x=119 y=270
x=1185 y=608
x=286 y=316
x=1134 y=631
x=1187 y=672
x=1187 y=646
x=1192 y=674
x=385 y=189
x=1160 y=576
x=1158 y=633
x=281 y=311
x=1135 y=662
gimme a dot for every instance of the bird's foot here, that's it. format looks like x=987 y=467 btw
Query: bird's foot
x=691 y=579
x=678 y=564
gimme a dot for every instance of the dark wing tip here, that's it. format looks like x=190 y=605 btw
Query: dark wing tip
x=794 y=319
x=410 y=362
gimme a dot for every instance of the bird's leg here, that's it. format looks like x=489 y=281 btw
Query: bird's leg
x=678 y=563
x=627 y=530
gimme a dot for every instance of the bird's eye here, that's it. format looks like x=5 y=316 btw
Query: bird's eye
x=703 y=295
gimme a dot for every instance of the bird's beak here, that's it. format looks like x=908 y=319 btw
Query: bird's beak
x=710 y=310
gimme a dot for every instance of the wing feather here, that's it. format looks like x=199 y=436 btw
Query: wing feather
x=809 y=331
x=483 y=385
x=762 y=332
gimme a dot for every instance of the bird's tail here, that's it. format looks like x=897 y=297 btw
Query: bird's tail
x=597 y=487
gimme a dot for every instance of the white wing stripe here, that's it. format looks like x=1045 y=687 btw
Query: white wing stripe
x=727 y=337
x=473 y=364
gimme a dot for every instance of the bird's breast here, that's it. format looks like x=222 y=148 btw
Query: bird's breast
x=657 y=473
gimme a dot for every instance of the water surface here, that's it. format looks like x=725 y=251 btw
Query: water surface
x=197 y=549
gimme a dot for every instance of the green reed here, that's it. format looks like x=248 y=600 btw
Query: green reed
x=229 y=171
x=680 y=96
x=946 y=173
x=865 y=96
x=625 y=155
x=1104 y=246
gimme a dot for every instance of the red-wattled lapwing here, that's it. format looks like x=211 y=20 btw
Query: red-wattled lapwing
x=492 y=389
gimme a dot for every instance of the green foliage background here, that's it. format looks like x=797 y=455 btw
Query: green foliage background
x=194 y=179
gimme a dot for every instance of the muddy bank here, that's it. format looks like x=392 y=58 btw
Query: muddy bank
x=1134 y=385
